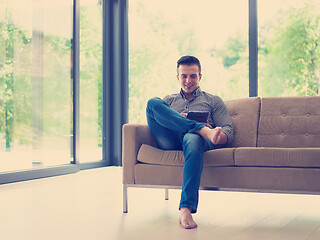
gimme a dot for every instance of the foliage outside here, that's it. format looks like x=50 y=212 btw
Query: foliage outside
x=35 y=100
x=288 y=57
x=289 y=53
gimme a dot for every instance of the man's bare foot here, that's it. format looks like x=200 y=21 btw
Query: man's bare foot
x=186 y=219
x=211 y=134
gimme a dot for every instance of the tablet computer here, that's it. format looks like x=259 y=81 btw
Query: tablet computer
x=200 y=116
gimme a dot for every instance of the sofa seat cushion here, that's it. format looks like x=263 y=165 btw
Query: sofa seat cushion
x=278 y=157
x=151 y=155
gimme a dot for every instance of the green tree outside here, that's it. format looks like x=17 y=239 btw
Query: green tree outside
x=290 y=56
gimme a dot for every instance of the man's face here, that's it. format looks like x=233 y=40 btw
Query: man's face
x=189 y=78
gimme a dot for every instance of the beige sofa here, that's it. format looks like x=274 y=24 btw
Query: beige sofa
x=276 y=149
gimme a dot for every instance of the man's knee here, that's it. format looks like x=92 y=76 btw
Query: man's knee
x=154 y=102
x=192 y=138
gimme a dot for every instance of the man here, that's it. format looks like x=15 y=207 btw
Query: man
x=173 y=131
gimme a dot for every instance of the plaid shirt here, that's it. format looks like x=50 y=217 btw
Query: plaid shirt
x=202 y=101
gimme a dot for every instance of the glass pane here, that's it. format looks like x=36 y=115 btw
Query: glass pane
x=160 y=32
x=90 y=80
x=35 y=83
x=289 y=47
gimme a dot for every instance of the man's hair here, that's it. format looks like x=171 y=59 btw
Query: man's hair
x=188 y=60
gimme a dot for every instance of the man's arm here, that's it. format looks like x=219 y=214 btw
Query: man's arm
x=221 y=118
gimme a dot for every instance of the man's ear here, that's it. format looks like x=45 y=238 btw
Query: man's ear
x=178 y=77
x=200 y=76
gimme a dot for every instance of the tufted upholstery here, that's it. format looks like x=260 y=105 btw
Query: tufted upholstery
x=289 y=122
x=244 y=115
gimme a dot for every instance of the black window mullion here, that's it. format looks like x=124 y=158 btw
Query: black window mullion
x=106 y=79
x=115 y=78
x=75 y=81
x=253 y=49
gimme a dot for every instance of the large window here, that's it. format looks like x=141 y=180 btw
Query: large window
x=217 y=33
x=55 y=109
x=160 y=32
x=62 y=90
x=289 y=47
x=35 y=83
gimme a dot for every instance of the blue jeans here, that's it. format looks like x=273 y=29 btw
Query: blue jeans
x=172 y=131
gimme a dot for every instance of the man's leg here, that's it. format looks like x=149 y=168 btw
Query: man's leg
x=166 y=125
x=163 y=120
x=193 y=146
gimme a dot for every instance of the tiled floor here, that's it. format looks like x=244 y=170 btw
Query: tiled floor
x=88 y=205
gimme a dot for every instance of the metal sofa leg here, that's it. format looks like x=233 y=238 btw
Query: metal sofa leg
x=167 y=194
x=125 y=198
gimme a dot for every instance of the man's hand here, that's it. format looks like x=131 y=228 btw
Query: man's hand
x=207 y=124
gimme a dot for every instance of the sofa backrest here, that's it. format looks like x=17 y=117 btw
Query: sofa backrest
x=289 y=122
x=244 y=114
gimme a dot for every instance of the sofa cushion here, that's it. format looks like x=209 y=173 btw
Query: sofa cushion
x=152 y=155
x=261 y=179
x=244 y=114
x=289 y=122
x=278 y=157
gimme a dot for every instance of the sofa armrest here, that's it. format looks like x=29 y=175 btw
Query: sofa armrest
x=133 y=136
